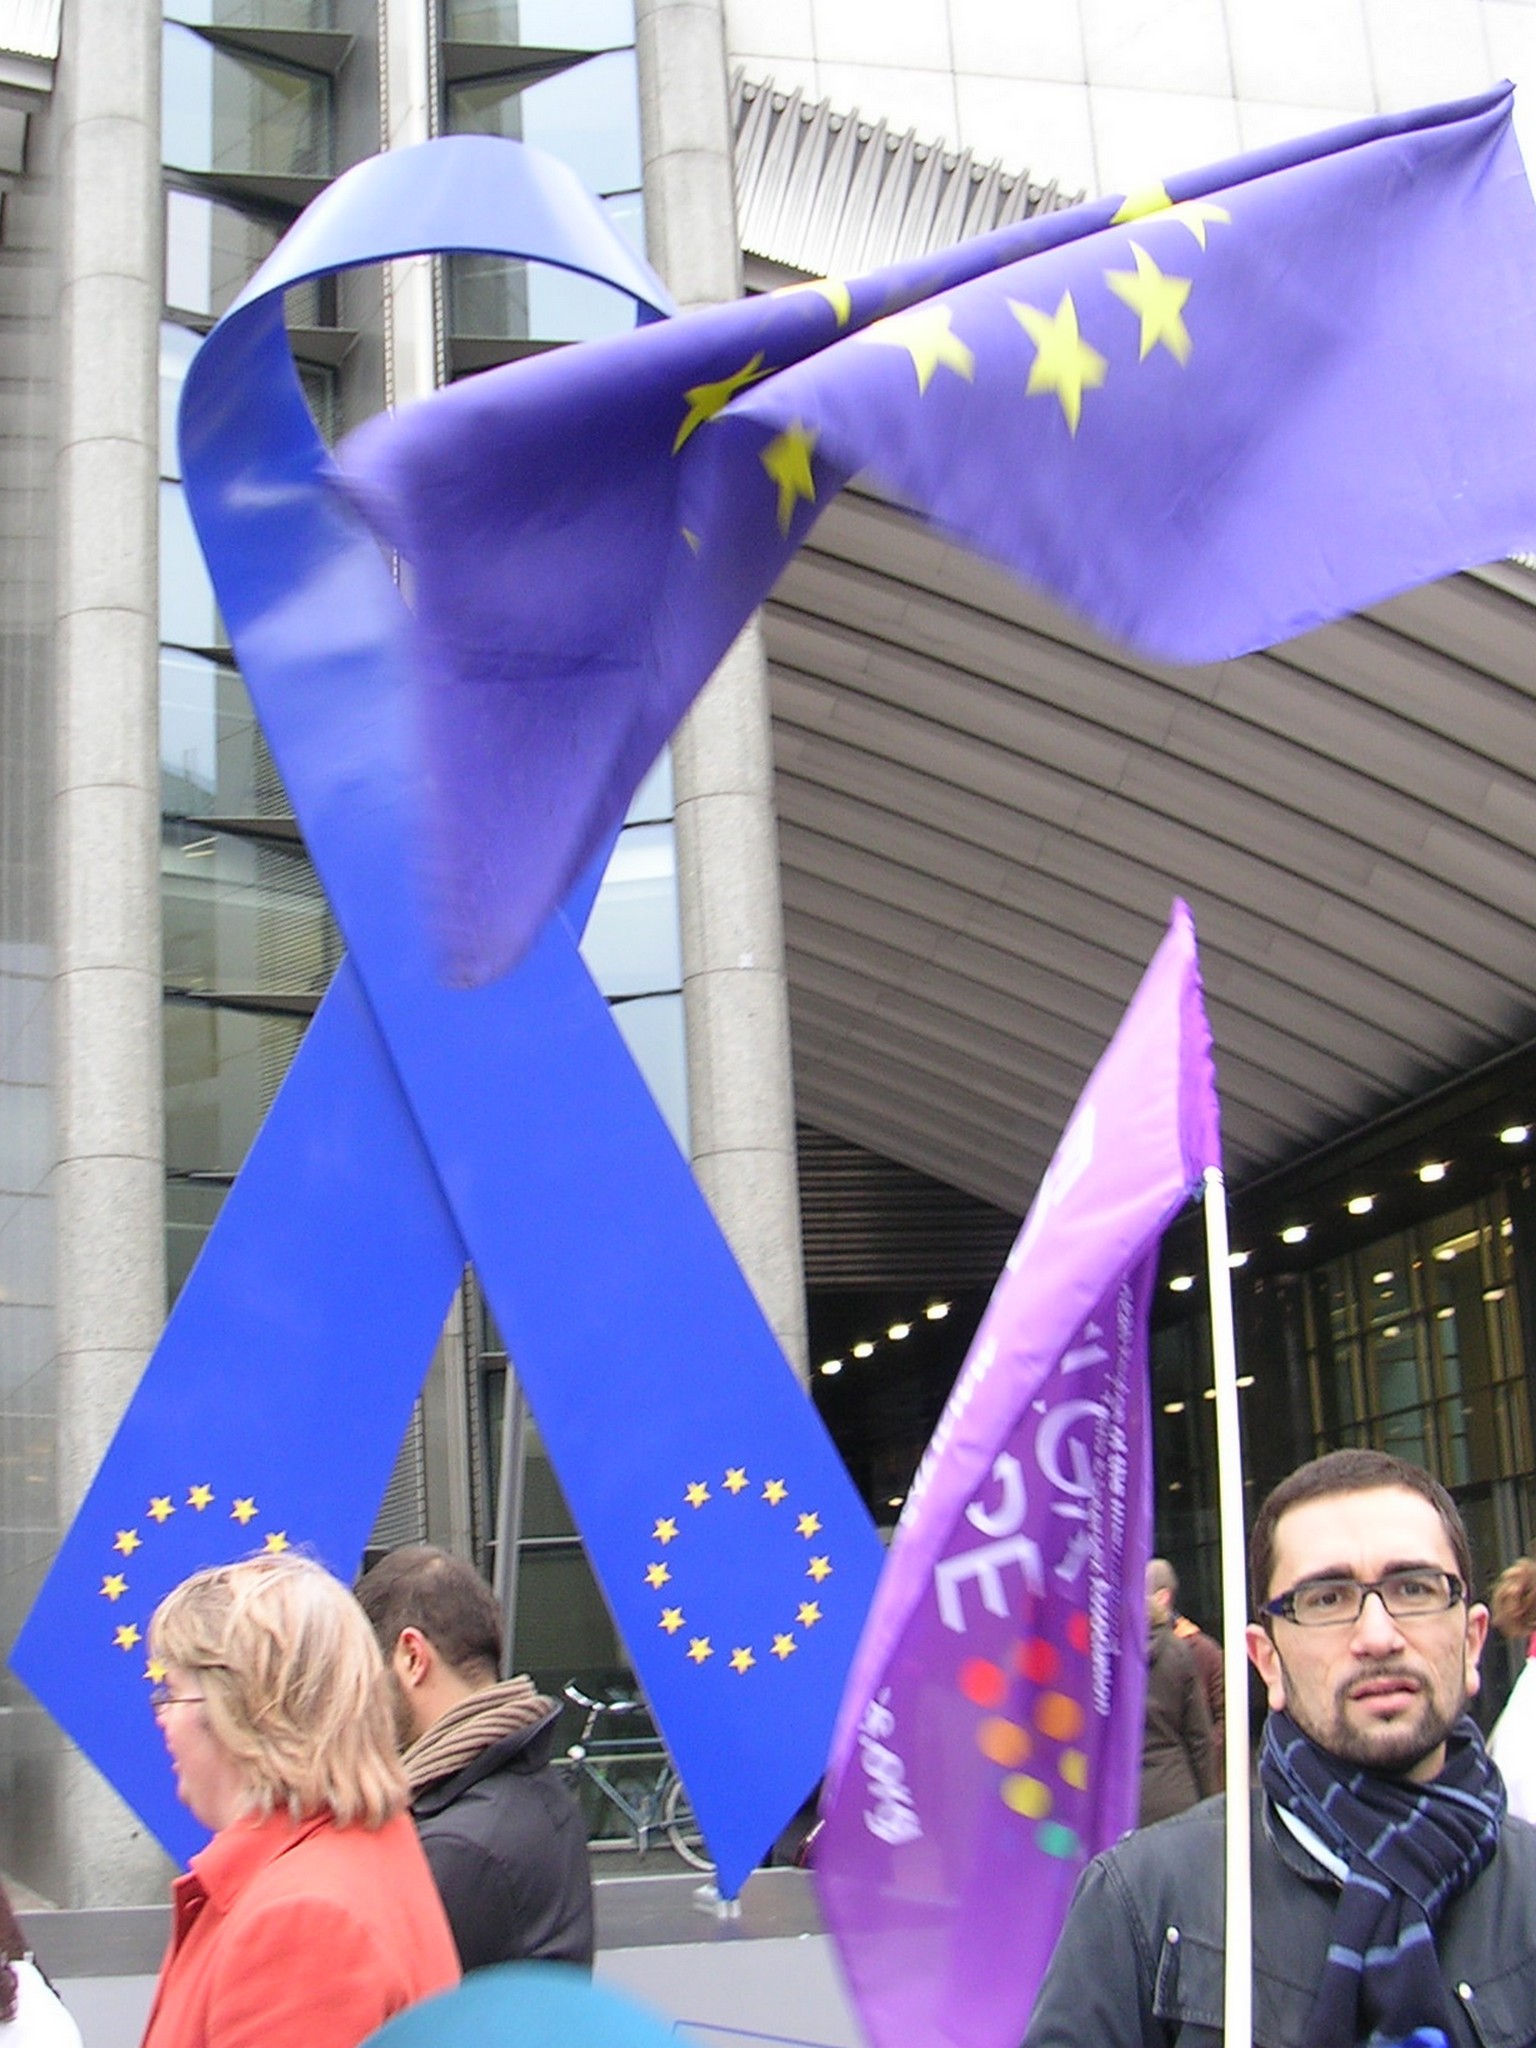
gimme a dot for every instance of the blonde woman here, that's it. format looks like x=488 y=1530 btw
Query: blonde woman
x=311 y=1916
x=1512 y=1745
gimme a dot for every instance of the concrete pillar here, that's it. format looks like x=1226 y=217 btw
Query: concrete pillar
x=109 y=1176
x=735 y=997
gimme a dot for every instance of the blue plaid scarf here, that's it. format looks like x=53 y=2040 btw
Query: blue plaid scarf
x=1409 y=1849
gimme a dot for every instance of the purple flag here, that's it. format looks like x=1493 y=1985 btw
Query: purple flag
x=989 y=1740
x=1206 y=417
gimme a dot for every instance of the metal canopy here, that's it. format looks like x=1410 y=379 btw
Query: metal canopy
x=985 y=811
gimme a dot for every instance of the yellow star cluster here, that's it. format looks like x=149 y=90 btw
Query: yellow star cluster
x=735 y=1484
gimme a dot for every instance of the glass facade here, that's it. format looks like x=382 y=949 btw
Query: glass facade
x=29 y=1499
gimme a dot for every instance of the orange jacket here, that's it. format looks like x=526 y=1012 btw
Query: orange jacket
x=300 y=1934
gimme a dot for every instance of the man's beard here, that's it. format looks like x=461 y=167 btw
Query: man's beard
x=1393 y=1751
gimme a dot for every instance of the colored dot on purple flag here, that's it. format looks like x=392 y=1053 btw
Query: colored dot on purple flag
x=1039 y=1661
x=1054 y=1839
x=1059 y=1716
x=1026 y=1796
x=983 y=1683
x=1003 y=1742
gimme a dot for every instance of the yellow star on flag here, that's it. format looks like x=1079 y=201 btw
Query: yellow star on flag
x=125 y=1637
x=276 y=1542
x=808 y=1613
x=1153 y=201
x=742 y=1660
x=656 y=1576
x=705 y=400
x=160 y=1509
x=671 y=1620
x=1064 y=363
x=925 y=335
x=127 y=1541
x=155 y=1671
x=818 y=1569
x=199 y=1497
x=696 y=1494
x=735 y=1478
x=114 y=1586
x=774 y=1492
x=243 y=1511
x=699 y=1648
x=1158 y=301
x=832 y=289
x=665 y=1530
x=787 y=459
x=807 y=1525
x=784 y=1646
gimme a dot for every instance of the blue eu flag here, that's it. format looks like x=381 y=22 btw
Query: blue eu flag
x=1206 y=416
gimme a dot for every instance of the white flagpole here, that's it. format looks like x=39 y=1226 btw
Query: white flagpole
x=1234 y=1616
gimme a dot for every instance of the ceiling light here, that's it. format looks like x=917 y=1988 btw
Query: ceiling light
x=895 y=1500
x=831 y=1365
x=865 y=1350
x=1236 y=1259
x=1294 y=1233
x=899 y=1330
x=1443 y=1315
x=1245 y=1379
x=1181 y=1283
x=1514 y=1134
x=1360 y=1205
x=936 y=1311
x=1383 y=1278
x=1433 y=1170
x=1173 y=1407
x=1392 y=1330
x=1493 y=1294
x=1445 y=1252
x=1210 y=1393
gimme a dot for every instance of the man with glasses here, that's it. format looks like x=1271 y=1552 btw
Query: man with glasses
x=1390 y=1891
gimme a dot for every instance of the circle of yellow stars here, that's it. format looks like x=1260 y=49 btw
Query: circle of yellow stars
x=115 y=1585
x=667 y=1529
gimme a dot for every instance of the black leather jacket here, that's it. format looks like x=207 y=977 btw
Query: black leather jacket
x=1140 y=1960
x=508 y=1849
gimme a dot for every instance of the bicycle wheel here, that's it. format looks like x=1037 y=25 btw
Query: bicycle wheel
x=682 y=1829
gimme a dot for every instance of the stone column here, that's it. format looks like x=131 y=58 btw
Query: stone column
x=735 y=997
x=109 y=1175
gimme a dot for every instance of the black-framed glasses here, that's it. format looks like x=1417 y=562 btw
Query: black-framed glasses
x=161 y=1697
x=1408 y=1595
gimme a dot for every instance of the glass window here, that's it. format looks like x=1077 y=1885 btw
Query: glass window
x=189 y=613
x=587 y=116
x=243 y=917
x=310 y=14
x=541 y=24
x=214 y=761
x=222 y=1069
x=178 y=345
x=631 y=942
x=212 y=250
x=652 y=1028
x=227 y=112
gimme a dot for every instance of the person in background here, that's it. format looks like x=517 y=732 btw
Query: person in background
x=501 y=1830
x=1512 y=1745
x=311 y=1917
x=30 y=2013
x=1390 y=1892
x=1163 y=1593
x=1176 y=1734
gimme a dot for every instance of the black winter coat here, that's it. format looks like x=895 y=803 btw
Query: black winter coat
x=508 y=1848
x=1140 y=1960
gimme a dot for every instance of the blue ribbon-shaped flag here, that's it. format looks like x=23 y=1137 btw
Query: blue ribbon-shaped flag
x=420 y=1126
